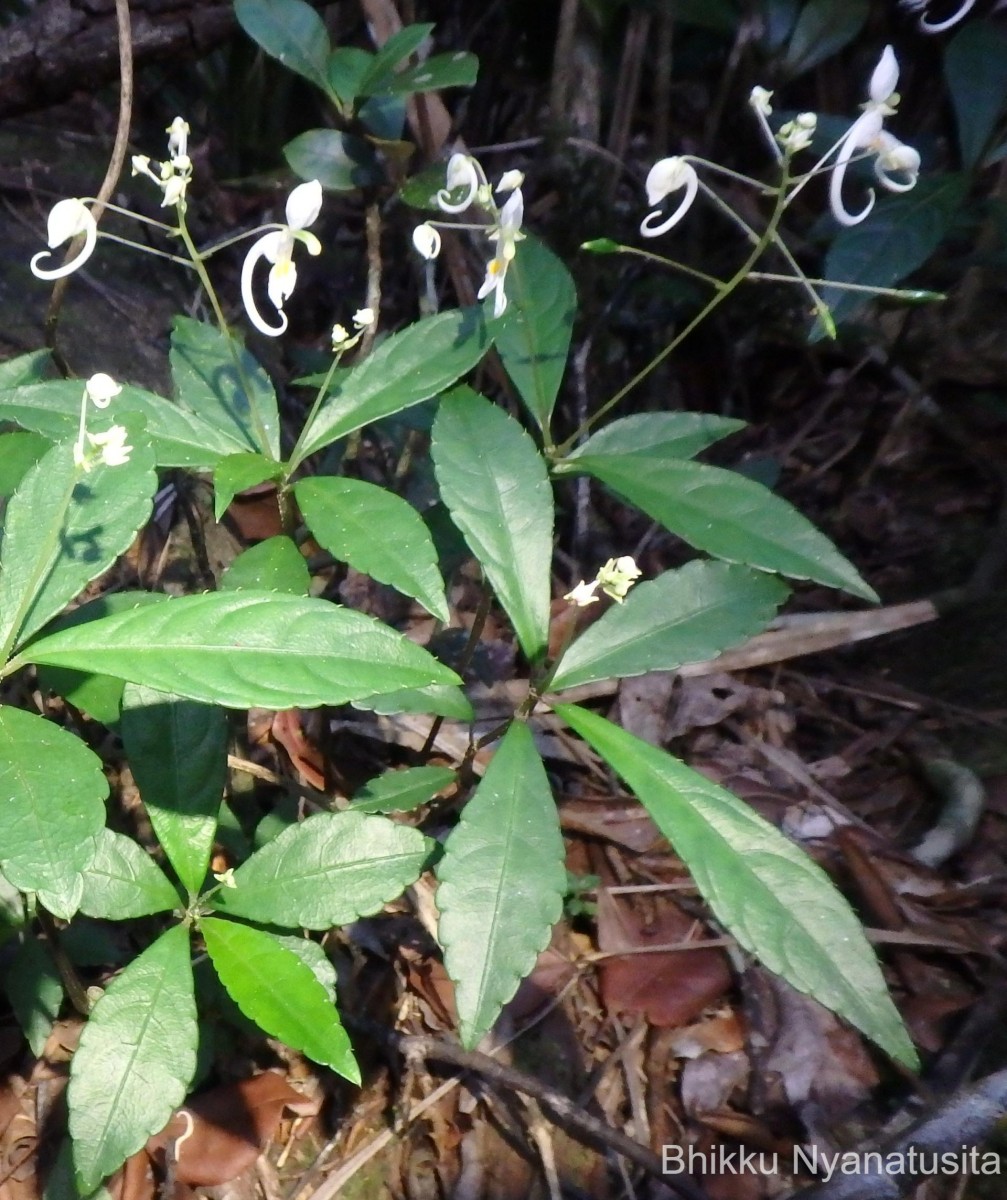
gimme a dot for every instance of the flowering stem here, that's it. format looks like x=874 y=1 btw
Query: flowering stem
x=295 y=455
x=197 y=261
x=723 y=291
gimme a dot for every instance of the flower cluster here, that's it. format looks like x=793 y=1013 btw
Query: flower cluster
x=275 y=242
x=173 y=175
x=465 y=175
x=615 y=579
x=111 y=447
x=867 y=133
x=896 y=165
x=342 y=340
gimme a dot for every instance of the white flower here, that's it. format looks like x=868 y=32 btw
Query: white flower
x=617 y=576
x=340 y=337
x=868 y=133
x=510 y=180
x=583 y=594
x=427 y=241
x=759 y=99
x=506 y=233
x=178 y=139
x=463 y=171
x=796 y=135
x=101 y=389
x=173 y=177
x=303 y=206
x=920 y=6
x=667 y=176
x=67 y=219
x=363 y=317
x=112 y=444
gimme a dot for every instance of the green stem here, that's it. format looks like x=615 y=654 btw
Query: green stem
x=722 y=293
x=295 y=455
x=197 y=261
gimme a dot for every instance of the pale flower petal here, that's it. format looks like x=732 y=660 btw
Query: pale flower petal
x=112 y=443
x=178 y=138
x=102 y=389
x=427 y=241
x=67 y=220
x=583 y=594
x=304 y=204
x=885 y=77
x=510 y=180
x=363 y=317
x=461 y=172
x=863 y=132
x=258 y=251
x=667 y=176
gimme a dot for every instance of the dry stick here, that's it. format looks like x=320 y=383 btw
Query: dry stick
x=108 y=183
x=372 y=226
x=568 y=1115
x=965 y=1120
x=563 y=69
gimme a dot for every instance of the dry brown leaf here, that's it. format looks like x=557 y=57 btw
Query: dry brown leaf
x=231 y=1125
x=670 y=988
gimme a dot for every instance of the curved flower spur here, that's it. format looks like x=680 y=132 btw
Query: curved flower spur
x=303 y=206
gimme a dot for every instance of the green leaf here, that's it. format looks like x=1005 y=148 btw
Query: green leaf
x=35 y=992
x=290 y=31
x=401 y=791
x=400 y=45
x=823 y=28
x=975 y=66
x=443 y=700
x=314 y=958
x=52 y=792
x=177 y=751
x=18 y=453
x=136 y=1058
x=533 y=335
x=275 y=565
x=239 y=401
x=63 y=529
x=653 y=435
x=346 y=69
x=495 y=484
x=900 y=235
x=26 y=368
x=339 y=161
x=684 y=616
x=100 y=696
x=238 y=472
x=501 y=883
x=778 y=903
x=180 y=438
x=440 y=71
x=728 y=516
x=328 y=870
x=123 y=881
x=376 y=532
x=246 y=649
x=277 y=990
x=406 y=369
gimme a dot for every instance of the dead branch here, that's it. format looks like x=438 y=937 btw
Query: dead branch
x=63 y=46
